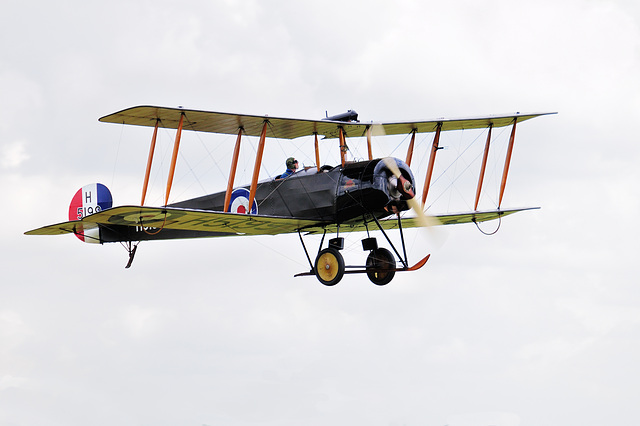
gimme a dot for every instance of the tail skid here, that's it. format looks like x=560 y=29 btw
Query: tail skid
x=131 y=248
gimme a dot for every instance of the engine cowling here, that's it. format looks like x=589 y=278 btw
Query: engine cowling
x=370 y=187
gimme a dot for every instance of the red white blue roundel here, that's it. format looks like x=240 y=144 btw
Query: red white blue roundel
x=240 y=202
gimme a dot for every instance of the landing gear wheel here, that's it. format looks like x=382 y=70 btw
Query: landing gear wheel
x=381 y=266
x=329 y=267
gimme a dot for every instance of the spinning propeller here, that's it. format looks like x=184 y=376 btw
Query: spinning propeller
x=405 y=187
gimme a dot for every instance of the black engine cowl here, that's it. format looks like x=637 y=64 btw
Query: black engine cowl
x=370 y=187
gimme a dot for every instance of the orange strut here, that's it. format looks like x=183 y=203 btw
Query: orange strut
x=432 y=160
x=507 y=161
x=152 y=149
x=256 y=167
x=484 y=166
x=317 y=152
x=343 y=147
x=232 y=172
x=410 y=150
x=174 y=158
x=369 y=143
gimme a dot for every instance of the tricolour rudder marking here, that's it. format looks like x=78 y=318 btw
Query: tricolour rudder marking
x=89 y=199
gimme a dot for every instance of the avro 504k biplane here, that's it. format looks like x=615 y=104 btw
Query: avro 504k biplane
x=324 y=199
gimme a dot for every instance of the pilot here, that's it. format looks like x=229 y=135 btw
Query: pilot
x=292 y=166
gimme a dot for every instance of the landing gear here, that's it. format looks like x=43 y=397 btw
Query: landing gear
x=381 y=266
x=329 y=266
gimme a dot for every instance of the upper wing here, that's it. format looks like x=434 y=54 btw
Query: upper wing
x=183 y=219
x=291 y=128
x=402 y=128
x=220 y=122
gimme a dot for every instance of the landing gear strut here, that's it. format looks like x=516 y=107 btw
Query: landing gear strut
x=381 y=266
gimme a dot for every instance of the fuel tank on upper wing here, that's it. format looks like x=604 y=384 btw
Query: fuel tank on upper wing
x=335 y=195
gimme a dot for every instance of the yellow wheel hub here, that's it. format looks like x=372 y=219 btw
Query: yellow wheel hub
x=328 y=266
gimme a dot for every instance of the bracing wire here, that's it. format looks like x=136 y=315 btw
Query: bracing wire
x=450 y=186
x=184 y=159
x=192 y=168
x=115 y=163
x=222 y=141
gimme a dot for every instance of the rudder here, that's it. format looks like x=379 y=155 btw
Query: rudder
x=89 y=199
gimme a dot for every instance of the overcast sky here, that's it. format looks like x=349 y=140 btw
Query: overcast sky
x=537 y=325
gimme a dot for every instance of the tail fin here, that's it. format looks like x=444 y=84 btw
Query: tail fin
x=88 y=200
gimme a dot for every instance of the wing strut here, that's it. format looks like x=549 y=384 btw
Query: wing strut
x=256 y=167
x=232 y=172
x=174 y=158
x=410 y=149
x=317 y=151
x=507 y=161
x=343 y=147
x=484 y=166
x=432 y=160
x=152 y=149
x=369 y=143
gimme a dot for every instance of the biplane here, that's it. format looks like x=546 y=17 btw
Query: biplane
x=369 y=195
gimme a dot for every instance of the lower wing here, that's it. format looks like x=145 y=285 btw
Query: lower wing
x=180 y=219
x=240 y=224
x=414 y=222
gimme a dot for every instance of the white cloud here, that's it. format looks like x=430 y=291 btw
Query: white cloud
x=142 y=322
x=12 y=155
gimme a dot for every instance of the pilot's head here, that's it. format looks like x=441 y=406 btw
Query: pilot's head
x=292 y=163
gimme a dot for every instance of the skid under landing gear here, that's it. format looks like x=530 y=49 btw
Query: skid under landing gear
x=131 y=248
x=381 y=266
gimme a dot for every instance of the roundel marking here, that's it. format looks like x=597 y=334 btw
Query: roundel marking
x=240 y=202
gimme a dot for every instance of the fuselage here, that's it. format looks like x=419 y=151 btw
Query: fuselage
x=336 y=195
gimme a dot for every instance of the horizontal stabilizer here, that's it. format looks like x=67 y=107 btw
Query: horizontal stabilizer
x=77 y=227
